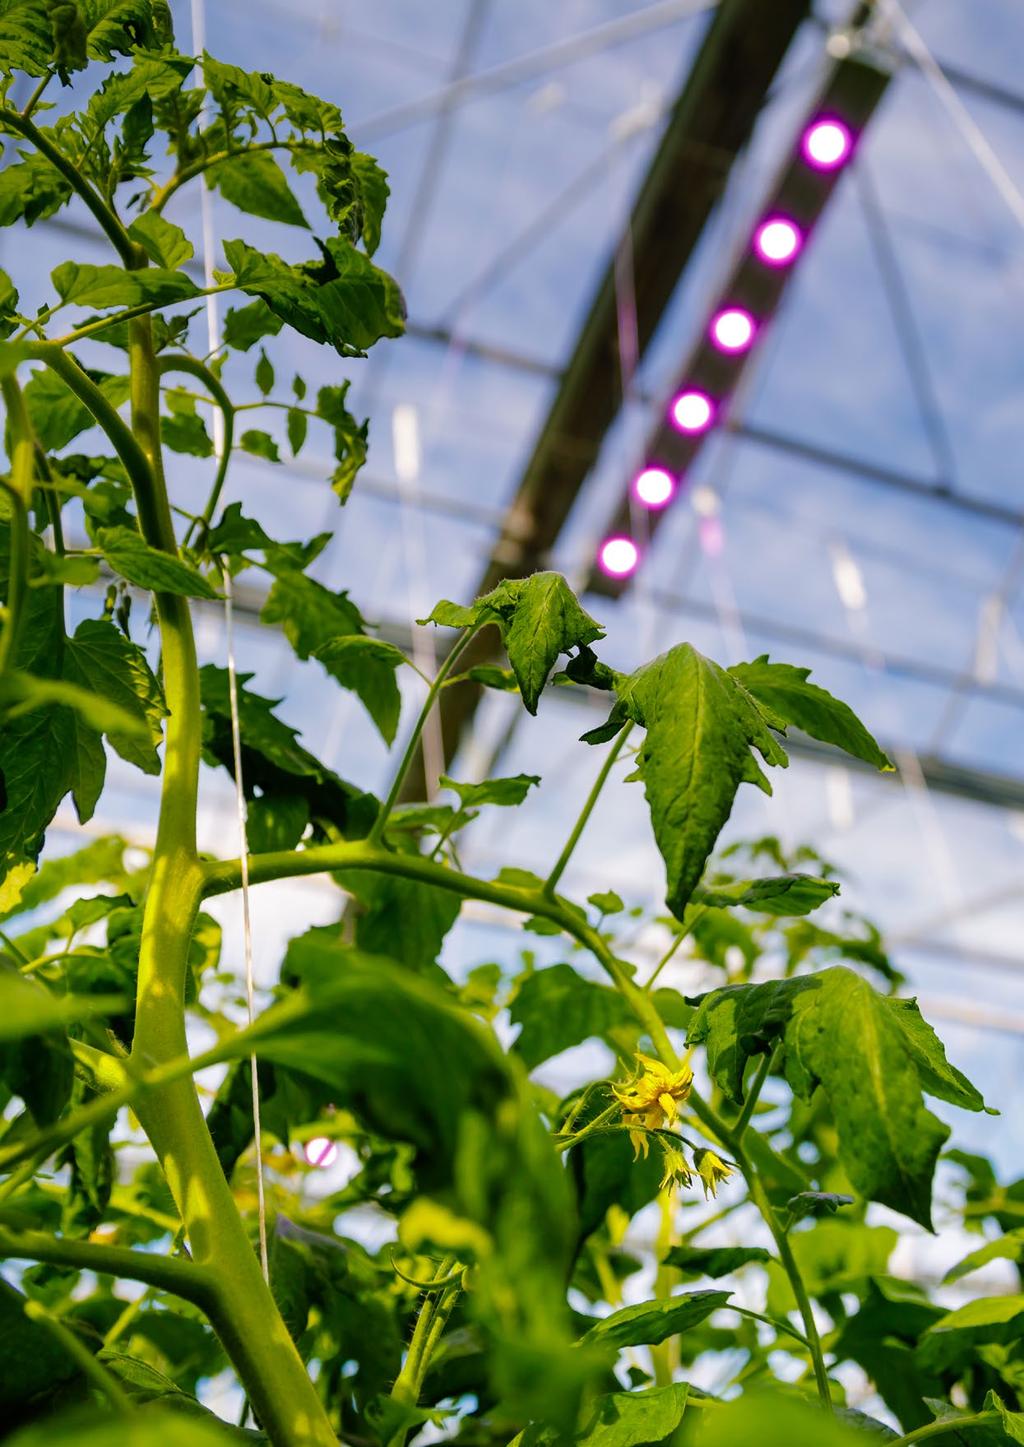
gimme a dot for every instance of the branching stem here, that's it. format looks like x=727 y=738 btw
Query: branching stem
x=588 y=808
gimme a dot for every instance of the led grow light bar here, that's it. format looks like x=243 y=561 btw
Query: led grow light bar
x=753 y=290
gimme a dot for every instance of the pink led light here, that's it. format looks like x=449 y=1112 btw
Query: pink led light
x=732 y=330
x=321 y=1151
x=777 y=241
x=618 y=557
x=826 y=144
x=654 y=487
x=692 y=412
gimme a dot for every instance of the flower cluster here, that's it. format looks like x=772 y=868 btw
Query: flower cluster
x=650 y=1102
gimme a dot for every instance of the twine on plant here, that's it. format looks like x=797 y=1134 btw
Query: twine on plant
x=243 y=846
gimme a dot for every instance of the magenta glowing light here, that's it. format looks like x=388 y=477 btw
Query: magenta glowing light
x=618 y=557
x=321 y=1151
x=654 y=487
x=777 y=241
x=692 y=412
x=732 y=330
x=827 y=144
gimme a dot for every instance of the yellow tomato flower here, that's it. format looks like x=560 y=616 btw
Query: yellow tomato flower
x=650 y=1099
x=676 y=1168
x=712 y=1171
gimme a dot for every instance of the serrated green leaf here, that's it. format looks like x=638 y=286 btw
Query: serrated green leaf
x=714 y=1261
x=255 y=183
x=245 y=325
x=784 y=690
x=31 y=189
x=771 y=1419
x=651 y=1322
x=372 y=183
x=186 y=432
x=28 y=1009
x=350 y=438
x=131 y=556
x=101 y=659
x=937 y=1076
x=607 y=902
x=557 y=1008
x=952 y=1338
x=112 y=286
x=56 y=413
x=788 y=894
x=702 y=727
x=165 y=243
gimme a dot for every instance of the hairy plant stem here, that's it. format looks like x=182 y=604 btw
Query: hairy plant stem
x=951 y=1424
x=377 y=832
x=19 y=491
x=434 y=1312
x=226 y=875
x=242 y=1309
x=586 y=811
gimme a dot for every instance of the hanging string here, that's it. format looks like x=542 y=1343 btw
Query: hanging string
x=198 y=17
x=243 y=846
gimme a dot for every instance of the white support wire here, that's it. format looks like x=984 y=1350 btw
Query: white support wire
x=198 y=16
x=250 y=986
x=965 y=123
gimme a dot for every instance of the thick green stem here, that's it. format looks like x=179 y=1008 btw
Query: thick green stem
x=377 y=832
x=15 y=121
x=195 y=368
x=246 y=1317
x=19 y=491
x=586 y=811
x=753 y=1094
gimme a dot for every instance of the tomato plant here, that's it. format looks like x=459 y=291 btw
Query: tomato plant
x=499 y=1304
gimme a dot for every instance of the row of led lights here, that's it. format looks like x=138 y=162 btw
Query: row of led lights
x=777 y=241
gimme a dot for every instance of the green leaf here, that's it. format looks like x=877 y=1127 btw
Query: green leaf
x=102 y=659
x=264 y=373
x=273 y=761
x=31 y=190
x=36 y=1366
x=402 y=918
x=372 y=182
x=651 y=1322
x=128 y=554
x=350 y=438
x=344 y=301
x=843 y=1036
x=109 y=286
x=56 y=413
x=509 y=792
x=815 y=1203
x=1012 y=1423
x=789 y=894
x=838 y=1255
x=607 y=902
x=951 y=1340
x=739 y=1021
x=154 y=1427
x=713 y=1261
x=297 y=423
x=557 y=1009
x=255 y=183
x=538 y=617
x=260 y=444
x=702 y=726
x=316 y=623
x=1006 y=1248
x=937 y=1076
x=774 y=1420
x=27 y=1009
x=165 y=243
x=186 y=432
x=22 y=693
x=627 y=1419
x=246 y=325
x=784 y=690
